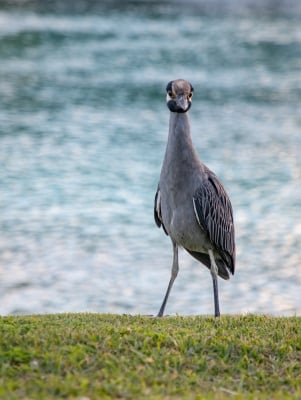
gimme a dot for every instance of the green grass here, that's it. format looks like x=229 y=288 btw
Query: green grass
x=99 y=356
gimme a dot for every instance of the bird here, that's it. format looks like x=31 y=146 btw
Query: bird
x=191 y=204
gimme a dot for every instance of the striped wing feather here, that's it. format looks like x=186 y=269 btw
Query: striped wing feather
x=214 y=214
x=157 y=211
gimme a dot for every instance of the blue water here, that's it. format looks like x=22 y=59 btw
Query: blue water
x=83 y=128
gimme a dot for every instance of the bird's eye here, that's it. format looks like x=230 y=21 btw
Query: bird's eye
x=169 y=93
x=190 y=95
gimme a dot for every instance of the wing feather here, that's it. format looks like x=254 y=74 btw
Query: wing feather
x=157 y=211
x=214 y=214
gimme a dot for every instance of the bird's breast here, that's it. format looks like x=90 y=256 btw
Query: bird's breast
x=180 y=221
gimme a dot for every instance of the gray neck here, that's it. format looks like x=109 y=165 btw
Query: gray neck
x=179 y=127
x=181 y=160
x=179 y=146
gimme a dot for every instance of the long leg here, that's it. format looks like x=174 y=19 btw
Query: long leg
x=174 y=273
x=214 y=274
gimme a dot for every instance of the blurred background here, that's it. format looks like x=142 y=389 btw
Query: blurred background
x=83 y=129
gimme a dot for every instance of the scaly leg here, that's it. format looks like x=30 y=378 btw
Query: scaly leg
x=214 y=274
x=174 y=273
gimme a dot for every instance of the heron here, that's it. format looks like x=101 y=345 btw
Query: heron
x=191 y=204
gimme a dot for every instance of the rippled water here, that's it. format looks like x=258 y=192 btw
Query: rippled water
x=83 y=128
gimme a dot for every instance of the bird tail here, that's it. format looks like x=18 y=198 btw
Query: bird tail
x=223 y=270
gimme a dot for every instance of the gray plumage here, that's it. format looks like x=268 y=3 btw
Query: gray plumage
x=191 y=204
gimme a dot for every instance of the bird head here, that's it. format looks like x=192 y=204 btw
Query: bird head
x=179 y=95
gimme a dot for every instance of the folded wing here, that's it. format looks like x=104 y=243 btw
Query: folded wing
x=214 y=214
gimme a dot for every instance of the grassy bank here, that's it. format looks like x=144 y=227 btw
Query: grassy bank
x=91 y=356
